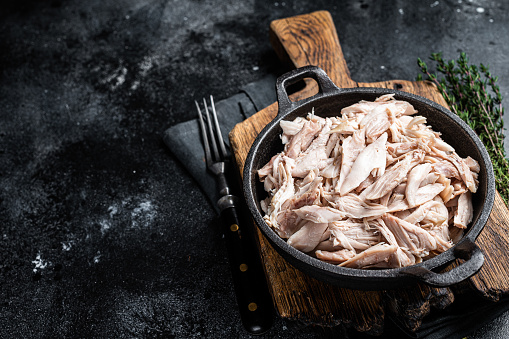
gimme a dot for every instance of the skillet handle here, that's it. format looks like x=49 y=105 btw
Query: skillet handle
x=325 y=86
x=468 y=251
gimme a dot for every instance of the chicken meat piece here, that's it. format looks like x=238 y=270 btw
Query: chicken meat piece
x=353 y=235
x=344 y=126
x=392 y=177
x=301 y=141
x=355 y=207
x=286 y=191
x=462 y=167
x=380 y=253
x=371 y=158
x=442 y=237
x=446 y=168
x=308 y=236
x=417 y=240
x=398 y=149
x=472 y=164
x=335 y=257
x=375 y=123
x=423 y=195
x=415 y=177
x=331 y=169
x=319 y=214
x=290 y=128
x=328 y=244
x=361 y=108
x=288 y=222
x=401 y=257
x=431 y=178
x=431 y=212
x=268 y=168
x=352 y=147
x=315 y=155
x=465 y=210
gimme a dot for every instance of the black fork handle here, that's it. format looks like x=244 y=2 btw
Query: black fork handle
x=253 y=297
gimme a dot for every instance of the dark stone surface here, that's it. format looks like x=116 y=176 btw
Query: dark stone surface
x=103 y=233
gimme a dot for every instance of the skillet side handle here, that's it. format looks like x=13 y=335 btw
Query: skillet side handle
x=325 y=86
x=467 y=251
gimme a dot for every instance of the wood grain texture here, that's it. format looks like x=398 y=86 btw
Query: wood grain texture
x=312 y=39
x=492 y=280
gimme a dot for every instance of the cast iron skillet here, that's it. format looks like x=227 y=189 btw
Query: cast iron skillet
x=328 y=102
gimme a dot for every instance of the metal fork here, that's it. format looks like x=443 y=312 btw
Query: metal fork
x=253 y=297
x=217 y=159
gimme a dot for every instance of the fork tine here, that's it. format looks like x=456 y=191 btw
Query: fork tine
x=218 y=130
x=206 y=147
x=211 y=131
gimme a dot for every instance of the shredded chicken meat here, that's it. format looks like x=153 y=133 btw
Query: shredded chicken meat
x=373 y=188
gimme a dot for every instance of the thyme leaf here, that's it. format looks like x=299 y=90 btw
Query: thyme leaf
x=473 y=94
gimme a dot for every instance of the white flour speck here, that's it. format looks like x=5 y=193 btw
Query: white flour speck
x=146 y=65
x=143 y=215
x=39 y=263
x=66 y=246
x=135 y=85
x=401 y=11
x=479 y=10
x=97 y=257
x=116 y=78
x=121 y=77
x=113 y=210
x=436 y=3
x=105 y=226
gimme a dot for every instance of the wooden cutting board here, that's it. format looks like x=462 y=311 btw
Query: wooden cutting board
x=311 y=39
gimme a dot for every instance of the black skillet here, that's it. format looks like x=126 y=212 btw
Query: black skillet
x=328 y=102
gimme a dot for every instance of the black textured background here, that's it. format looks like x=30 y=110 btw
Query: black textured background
x=102 y=232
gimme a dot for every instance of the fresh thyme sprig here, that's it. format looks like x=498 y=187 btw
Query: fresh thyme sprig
x=472 y=93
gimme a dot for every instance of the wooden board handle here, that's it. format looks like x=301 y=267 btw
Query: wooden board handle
x=311 y=39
